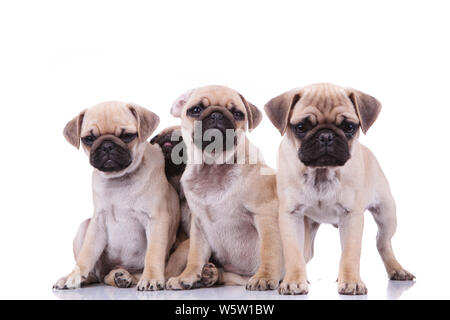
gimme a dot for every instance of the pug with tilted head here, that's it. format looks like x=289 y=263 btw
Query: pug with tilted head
x=326 y=176
x=136 y=210
x=232 y=199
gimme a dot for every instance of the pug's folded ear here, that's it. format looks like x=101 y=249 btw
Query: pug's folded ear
x=254 y=115
x=279 y=108
x=147 y=121
x=72 y=130
x=177 y=106
x=366 y=106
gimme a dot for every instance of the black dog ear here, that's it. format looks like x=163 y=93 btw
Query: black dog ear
x=72 y=130
x=153 y=140
x=367 y=108
x=279 y=108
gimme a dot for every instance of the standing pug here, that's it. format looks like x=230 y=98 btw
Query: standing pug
x=136 y=211
x=234 y=207
x=326 y=176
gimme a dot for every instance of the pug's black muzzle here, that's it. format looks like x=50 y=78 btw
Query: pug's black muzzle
x=109 y=155
x=324 y=148
x=215 y=124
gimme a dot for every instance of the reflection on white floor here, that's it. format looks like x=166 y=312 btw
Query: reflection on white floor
x=319 y=290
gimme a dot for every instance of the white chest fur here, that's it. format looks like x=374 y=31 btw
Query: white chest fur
x=322 y=197
x=123 y=211
x=221 y=215
x=210 y=185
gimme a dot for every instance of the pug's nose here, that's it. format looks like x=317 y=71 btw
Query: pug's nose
x=326 y=137
x=107 y=146
x=216 y=115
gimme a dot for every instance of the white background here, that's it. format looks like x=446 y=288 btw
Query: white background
x=59 y=57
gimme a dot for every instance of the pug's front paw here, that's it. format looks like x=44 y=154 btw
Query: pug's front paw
x=351 y=287
x=145 y=284
x=299 y=286
x=261 y=283
x=71 y=281
x=183 y=282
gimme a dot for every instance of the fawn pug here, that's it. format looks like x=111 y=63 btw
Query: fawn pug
x=326 y=176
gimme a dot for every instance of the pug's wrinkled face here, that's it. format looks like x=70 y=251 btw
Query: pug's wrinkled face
x=215 y=118
x=322 y=121
x=110 y=134
x=323 y=128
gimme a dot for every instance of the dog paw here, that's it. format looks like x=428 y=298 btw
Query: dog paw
x=120 y=278
x=294 y=287
x=150 y=284
x=183 y=282
x=72 y=281
x=210 y=275
x=352 y=287
x=261 y=283
x=401 y=275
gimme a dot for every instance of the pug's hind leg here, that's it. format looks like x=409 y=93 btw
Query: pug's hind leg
x=88 y=245
x=120 y=278
x=311 y=228
x=77 y=244
x=177 y=260
x=233 y=279
x=386 y=219
x=79 y=237
x=212 y=275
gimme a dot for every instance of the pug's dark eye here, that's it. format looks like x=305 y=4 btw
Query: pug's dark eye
x=349 y=128
x=128 y=137
x=195 y=111
x=301 y=128
x=88 y=140
x=238 y=115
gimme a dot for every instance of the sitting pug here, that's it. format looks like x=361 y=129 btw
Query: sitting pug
x=136 y=210
x=173 y=148
x=326 y=176
x=231 y=197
